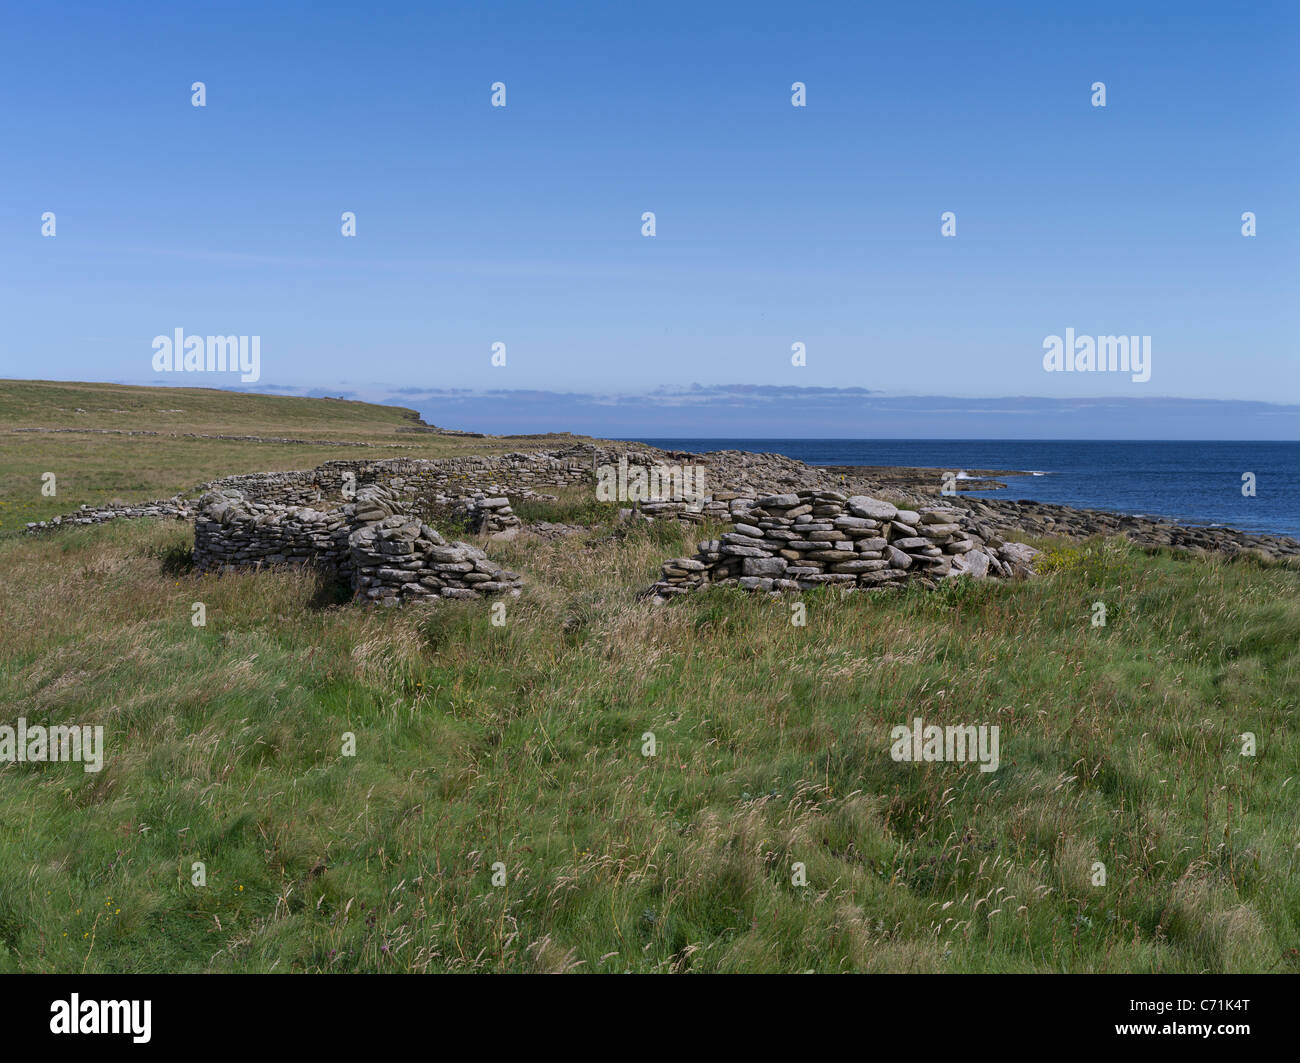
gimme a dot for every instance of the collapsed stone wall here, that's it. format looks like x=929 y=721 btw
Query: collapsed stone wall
x=493 y=515
x=176 y=507
x=430 y=484
x=466 y=485
x=399 y=559
x=717 y=507
x=385 y=553
x=814 y=538
x=418 y=480
x=361 y=521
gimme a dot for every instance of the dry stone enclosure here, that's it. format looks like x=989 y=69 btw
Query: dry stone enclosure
x=385 y=554
x=378 y=541
x=368 y=523
x=794 y=542
x=363 y=522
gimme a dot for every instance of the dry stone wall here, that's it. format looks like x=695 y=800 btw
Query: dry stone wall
x=232 y=531
x=795 y=526
x=400 y=559
x=492 y=514
x=814 y=538
x=387 y=554
x=473 y=482
x=176 y=507
x=417 y=480
x=362 y=521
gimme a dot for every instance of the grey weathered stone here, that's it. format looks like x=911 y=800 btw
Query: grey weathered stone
x=897 y=559
x=832 y=548
x=865 y=506
x=763 y=566
x=743 y=551
x=973 y=563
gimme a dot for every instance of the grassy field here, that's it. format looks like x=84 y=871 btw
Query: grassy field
x=60 y=428
x=521 y=745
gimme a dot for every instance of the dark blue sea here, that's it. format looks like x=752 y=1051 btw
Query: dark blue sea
x=1190 y=482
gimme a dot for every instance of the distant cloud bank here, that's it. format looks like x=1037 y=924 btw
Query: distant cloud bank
x=762 y=411
x=757 y=411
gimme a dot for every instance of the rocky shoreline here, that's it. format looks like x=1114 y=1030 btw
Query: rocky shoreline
x=1046 y=518
x=750 y=474
x=486 y=483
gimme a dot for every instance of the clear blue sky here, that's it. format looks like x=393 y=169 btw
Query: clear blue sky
x=775 y=224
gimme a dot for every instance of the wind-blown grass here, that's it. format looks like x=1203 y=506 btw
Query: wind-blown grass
x=522 y=745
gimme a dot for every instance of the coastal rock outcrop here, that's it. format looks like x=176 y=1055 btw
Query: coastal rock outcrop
x=1045 y=518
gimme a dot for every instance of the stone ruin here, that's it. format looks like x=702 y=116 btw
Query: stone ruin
x=385 y=554
x=815 y=538
x=364 y=522
x=367 y=523
x=492 y=514
x=176 y=507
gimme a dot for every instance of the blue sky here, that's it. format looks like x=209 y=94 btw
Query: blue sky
x=775 y=224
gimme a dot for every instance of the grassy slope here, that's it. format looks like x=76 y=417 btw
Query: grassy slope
x=522 y=744
x=94 y=468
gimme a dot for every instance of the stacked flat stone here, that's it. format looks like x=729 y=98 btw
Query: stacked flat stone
x=416 y=480
x=689 y=512
x=176 y=507
x=400 y=558
x=387 y=555
x=719 y=507
x=814 y=538
x=232 y=532
x=737 y=480
x=489 y=514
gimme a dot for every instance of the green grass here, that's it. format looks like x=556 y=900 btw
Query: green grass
x=93 y=468
x=570 y=507
x=42 y=403
x=521 y=744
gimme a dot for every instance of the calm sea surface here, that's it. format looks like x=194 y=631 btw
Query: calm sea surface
x=1194 y=483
